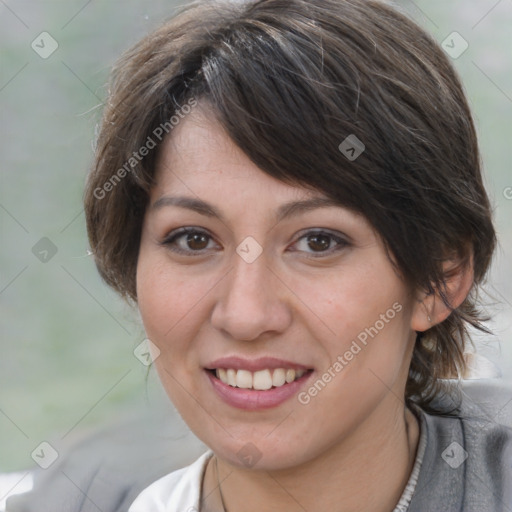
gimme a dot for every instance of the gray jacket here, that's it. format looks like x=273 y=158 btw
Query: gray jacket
x=467 y=466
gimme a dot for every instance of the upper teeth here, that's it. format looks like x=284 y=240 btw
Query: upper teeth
x=261 y=380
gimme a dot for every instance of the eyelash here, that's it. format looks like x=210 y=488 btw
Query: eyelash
x=171 y=239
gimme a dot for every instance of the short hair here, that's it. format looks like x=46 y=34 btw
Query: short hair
x=291 y=81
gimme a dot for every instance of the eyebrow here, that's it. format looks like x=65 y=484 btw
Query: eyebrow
x=284 y=211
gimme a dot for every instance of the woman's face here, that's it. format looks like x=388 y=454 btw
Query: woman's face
x=262 y=290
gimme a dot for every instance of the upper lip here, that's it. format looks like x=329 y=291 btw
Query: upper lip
x=254 y=365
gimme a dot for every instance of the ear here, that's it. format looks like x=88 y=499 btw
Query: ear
x=430 y=308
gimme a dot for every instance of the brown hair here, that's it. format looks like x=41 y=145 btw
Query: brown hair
x=290 y=80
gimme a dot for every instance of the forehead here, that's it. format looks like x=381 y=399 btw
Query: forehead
x=201 y=169
x=199 y=157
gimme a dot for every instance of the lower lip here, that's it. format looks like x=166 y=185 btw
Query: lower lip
x=252 y=400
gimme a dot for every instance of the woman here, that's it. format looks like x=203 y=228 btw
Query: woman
x=291 y=193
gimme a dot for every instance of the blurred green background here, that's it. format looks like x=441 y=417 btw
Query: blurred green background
x=67 y=341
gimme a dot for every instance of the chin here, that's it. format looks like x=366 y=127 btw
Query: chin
x=258 y=448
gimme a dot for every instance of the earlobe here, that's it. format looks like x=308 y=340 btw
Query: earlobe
x=421 y=319
x=430 y=308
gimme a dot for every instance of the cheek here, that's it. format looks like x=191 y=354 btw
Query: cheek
x=364 y=314
x=161 y=304
x=169 y=307
x=164 y=296
x=348 y=301
x=174 y=306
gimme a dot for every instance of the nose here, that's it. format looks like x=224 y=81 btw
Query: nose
x=252 y=301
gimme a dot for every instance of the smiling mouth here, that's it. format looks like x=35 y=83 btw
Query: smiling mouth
x=261 y=380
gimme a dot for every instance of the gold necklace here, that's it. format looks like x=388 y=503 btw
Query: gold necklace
x=218 y=483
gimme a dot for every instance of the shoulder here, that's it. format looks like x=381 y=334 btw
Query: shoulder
x=467 y=465
x=112 y=466
x=473 y=439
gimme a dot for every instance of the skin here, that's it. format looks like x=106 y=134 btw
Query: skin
x=286 y=304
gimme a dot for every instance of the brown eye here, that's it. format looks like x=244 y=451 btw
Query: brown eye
x=197 y=241
x=188 y=241
x=320 y=243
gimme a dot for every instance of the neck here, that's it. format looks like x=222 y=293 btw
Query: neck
x=378 y=456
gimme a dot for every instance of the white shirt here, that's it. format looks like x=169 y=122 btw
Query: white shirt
x=180 y=491
x=14 y=483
